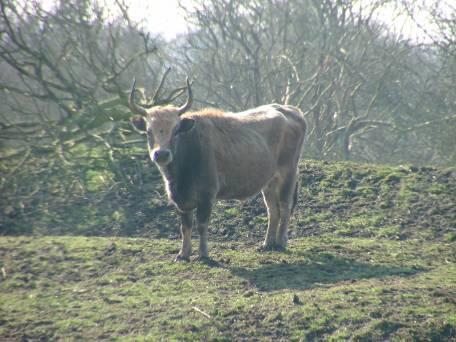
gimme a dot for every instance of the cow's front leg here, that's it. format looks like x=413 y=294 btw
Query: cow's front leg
x=186 y=232
x=203 y=215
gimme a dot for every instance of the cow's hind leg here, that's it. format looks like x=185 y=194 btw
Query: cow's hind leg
x=271 y=199
x=186 y=231
x=288 y=196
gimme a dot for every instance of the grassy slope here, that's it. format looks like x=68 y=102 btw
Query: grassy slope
x=372 y=257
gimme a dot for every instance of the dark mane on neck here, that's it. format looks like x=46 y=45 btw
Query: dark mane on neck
x=182 y=173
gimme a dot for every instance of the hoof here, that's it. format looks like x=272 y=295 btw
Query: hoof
x=272 y=247
x=280 y=248
x=181 y=258
x=203 y=259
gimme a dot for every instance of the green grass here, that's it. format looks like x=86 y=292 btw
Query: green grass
x=321 y=288
x=371 y=258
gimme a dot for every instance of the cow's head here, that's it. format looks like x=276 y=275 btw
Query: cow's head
x=161 y=124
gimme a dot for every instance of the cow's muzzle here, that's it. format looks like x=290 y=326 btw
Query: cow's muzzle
x=162 y=157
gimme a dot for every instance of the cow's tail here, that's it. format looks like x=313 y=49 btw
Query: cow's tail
x=297 y=116
x=295 y=197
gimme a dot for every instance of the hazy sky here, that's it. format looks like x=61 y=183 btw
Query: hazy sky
x=165 y=16
x=161 y=16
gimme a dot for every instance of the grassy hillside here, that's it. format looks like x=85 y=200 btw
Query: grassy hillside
x=343 y=199
x=371 y=257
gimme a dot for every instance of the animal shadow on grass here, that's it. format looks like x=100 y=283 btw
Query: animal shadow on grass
x=316 y=270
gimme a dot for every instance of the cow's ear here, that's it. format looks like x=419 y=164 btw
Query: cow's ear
x=185 y=125
x=139 y=123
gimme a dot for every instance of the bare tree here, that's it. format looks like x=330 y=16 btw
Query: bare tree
x=323 y=56
x=64 y=80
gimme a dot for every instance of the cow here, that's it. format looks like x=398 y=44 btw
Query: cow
x=209 y=155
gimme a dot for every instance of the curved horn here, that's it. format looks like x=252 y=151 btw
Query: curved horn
x=135 y=108
x=186 y=106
